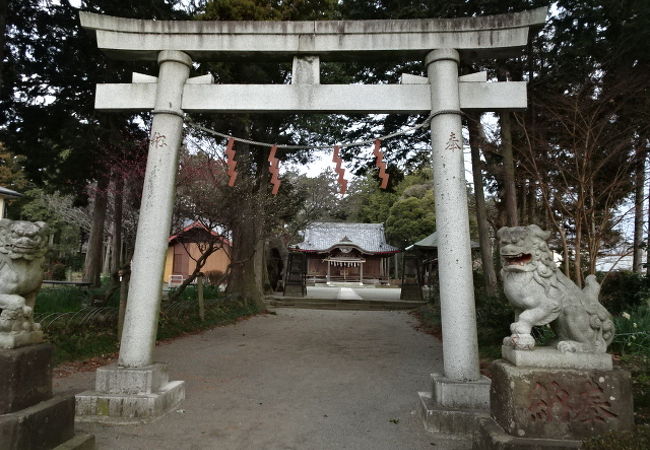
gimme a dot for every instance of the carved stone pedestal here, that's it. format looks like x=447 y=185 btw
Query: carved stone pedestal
x=125 y=396
x=554 y=408
x=30 y=417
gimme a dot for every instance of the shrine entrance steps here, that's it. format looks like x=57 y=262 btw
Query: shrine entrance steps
x=350 y=305
x=346 y=297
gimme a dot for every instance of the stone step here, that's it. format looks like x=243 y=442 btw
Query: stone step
x=354 y=305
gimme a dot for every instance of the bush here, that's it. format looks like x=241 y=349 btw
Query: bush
x=214 y=277
x=58 y=272
x=493 y=318
x=632 y=332
x=624 y=291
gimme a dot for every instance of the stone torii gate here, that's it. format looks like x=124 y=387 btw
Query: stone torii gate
x=139 y=388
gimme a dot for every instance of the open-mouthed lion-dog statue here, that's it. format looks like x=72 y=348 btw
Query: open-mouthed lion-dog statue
x=541 y=294
x=22 y=249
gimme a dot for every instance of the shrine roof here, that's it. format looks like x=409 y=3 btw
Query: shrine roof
x=367 y=237
x=8 y=193
x=195 y=232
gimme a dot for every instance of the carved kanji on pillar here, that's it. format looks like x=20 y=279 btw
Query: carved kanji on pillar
x=453 y=143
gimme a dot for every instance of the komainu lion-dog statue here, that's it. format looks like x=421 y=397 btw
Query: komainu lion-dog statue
x=22 y=249
x=541 y=294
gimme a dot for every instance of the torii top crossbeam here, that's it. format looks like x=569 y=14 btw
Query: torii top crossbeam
x=307 y=43
x=486 y=36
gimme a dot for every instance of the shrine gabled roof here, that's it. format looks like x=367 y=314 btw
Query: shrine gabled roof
x=196 y=226
x=367 y=237
x=8 y=193
x=431 y=242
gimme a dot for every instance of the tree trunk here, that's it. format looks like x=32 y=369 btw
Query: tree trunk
x=118 y=199
x=510 y=193
x=531 y=205
x=3 y=30
x=247 y=263
x=124 y=293
x=93 y=261
x=637 y=264
x=475 y=140
x=577 y=270
x=106 y=266
x=647 y=266
x=199 y=293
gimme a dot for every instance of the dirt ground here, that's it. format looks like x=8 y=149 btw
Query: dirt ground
x=300 y=379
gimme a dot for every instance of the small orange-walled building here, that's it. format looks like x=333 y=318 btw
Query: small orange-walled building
x=185 y=244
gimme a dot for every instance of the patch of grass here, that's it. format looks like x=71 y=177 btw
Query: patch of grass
x=78 y=340
x=82 y=342
x=60 y=299
x=183 y=316
x=190 y=292
x=429 y=319
x=638 y=439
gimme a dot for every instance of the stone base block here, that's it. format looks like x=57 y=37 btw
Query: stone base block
x=113 y=379
x=411 y=292
x=560 y=403
x=124 y=409
x=26 y=377
x=80 y=441
x=551 y=358
x=492 y=437
x=20 y=339
x=42 y=426
x=294 y=290
x=456 y=424
x=461 y=394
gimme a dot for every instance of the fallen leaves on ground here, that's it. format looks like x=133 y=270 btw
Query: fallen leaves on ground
x=71 y=367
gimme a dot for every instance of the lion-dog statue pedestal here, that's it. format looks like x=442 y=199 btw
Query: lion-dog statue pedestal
x=556 y=396
x=30 y=416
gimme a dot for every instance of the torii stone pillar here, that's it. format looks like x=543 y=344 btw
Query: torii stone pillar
x=137 y=389
x=461 y=391
x=452 y=219
x=158 y=194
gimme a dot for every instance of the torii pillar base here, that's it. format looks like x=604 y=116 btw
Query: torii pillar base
x=125 y=396
x=453 y=410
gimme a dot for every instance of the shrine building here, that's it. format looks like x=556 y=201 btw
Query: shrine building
x=346 y=252
x=184 y=249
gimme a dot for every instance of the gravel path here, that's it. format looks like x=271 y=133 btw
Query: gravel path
x=301 y=379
